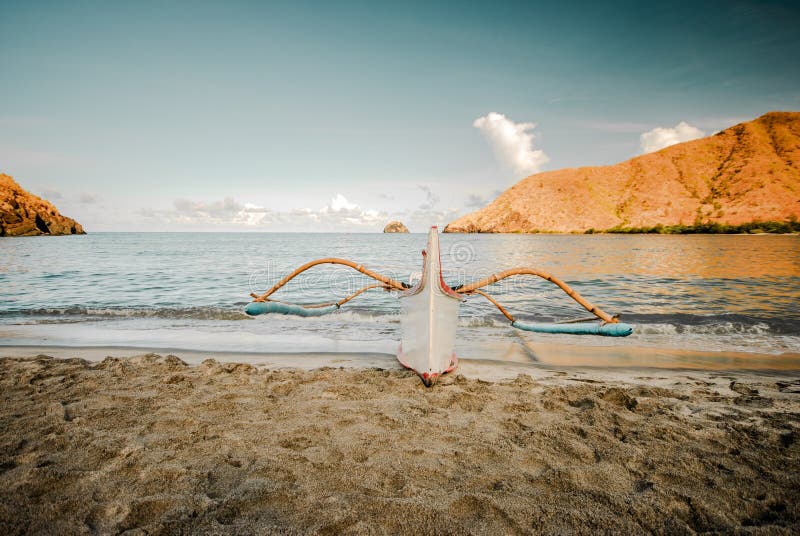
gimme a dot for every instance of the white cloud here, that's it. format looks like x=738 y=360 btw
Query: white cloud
x=661 y=137
x=216 y=212
x=339 y=204
x=338 y=214
x=512 y=142
x=341 y=212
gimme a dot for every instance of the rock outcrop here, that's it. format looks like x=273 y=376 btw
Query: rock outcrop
x=24 y=214
x=748 y=172
x=395 y=227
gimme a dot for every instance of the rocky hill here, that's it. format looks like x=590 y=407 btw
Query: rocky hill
x=395 y=227
x=24 y=214
x=746 y=173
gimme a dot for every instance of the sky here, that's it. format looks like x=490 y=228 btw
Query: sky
x=341 y=116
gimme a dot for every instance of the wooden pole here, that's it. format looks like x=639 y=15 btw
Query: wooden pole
x=329 y=260
x=336 y=303
x=353 y=295
x=586 y=304
x=500 y=307
x=471 y=288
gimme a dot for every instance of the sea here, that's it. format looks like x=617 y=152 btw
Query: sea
x=713 y=301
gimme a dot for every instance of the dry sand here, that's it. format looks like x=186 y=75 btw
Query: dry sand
x=150 y=445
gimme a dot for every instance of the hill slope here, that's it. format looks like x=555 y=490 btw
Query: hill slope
x=24 y=214
x=748 y=172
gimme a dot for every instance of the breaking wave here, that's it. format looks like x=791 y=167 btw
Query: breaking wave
x=89 y=313
x=714 y=325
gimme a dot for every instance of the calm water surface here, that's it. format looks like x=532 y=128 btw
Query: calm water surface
x=187 y=290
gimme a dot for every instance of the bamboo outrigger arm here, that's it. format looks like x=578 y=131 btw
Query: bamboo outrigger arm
x=328 y=304
x=473 y=287
x=573 y=327
x=387 y=281
x=496 y=304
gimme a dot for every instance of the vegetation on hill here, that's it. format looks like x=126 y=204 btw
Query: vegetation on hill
x=754 y=227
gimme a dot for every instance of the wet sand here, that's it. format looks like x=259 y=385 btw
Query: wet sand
x=151 y=445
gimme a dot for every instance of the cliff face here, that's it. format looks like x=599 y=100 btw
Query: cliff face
x=748 y=172
x=24 y=214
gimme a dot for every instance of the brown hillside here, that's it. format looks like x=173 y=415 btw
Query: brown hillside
x=748 y=172
x=24 y=214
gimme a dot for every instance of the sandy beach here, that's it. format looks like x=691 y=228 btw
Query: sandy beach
x=399 y=268
x=152 y=445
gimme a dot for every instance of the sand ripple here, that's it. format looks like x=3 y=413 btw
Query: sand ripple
x=151 y=445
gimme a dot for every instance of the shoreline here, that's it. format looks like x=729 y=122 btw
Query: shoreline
x=529 y=357
x=151 y=443
x=755 y=227
x=481 y=370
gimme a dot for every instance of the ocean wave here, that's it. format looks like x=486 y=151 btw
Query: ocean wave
x=723 y=324
x=361 y=315
x=483 y=322
x=189 y=313
x=717 y=325
x=722 y=328
x=51 y=315
x=347 y=315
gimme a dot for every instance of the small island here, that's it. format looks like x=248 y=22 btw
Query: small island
x=395 y=227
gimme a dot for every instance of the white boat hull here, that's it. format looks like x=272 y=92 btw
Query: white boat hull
x=429 y=317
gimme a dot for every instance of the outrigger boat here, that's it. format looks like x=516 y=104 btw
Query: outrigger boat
x=429 y=310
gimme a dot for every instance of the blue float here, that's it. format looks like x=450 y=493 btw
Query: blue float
x=608 y=330
x=261 y=308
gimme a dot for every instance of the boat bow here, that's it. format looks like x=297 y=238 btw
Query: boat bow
x=429 y=319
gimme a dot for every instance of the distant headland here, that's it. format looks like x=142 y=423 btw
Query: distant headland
x=743 y=179
x=24 y=214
